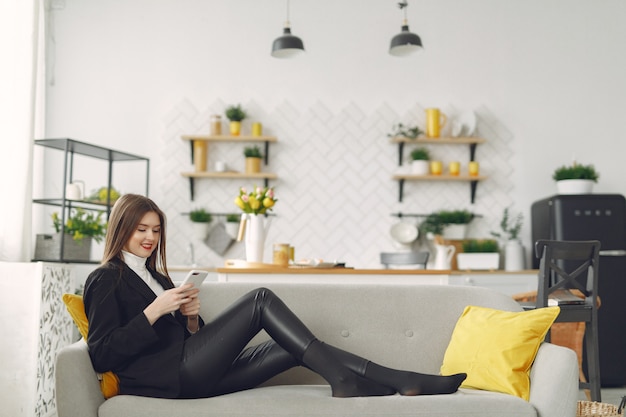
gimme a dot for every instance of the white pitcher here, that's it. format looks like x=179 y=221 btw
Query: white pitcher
x=253 y=230
x=443 y=256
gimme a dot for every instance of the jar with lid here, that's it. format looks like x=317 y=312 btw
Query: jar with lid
x=281 y=254
x=216 y=124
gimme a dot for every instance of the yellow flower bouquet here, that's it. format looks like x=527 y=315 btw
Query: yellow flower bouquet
x=258 y=201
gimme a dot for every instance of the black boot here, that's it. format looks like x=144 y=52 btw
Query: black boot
x=292 y=335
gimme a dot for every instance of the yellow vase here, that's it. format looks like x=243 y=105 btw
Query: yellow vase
x=200 y=149
x=235 y=128
x=253 y=165
x=473 y=168
x=436 y=167
x=435 y=121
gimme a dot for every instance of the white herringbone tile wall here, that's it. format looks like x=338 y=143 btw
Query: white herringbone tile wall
x=336 y=195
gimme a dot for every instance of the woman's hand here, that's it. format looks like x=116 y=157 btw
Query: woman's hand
x=171 y=300
x=191 y=307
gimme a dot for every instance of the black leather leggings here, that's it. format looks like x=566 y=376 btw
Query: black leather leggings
x=214 y=359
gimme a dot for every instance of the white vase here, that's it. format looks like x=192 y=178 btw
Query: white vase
x=478 y=261
x=232 y=229
x=574 y=186
x=420 y=167
x=513 y=255
x=256 y=231
x=200 y=230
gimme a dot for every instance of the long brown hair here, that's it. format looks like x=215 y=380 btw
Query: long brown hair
x=125 y=216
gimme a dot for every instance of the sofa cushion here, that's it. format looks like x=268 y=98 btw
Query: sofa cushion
x=316 y=400
x=109 y=382
x=497 y=348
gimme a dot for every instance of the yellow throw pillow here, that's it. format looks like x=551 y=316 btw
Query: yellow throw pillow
x=497 y=348
x=109 y=382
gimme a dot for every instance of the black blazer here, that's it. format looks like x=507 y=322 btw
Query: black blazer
x=145 y=357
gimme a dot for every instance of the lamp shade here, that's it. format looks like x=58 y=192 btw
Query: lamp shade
x=405 y=43
x=287 y=45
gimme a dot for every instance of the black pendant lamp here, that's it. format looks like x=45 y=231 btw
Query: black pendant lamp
x=405 y=43
x=288 y=45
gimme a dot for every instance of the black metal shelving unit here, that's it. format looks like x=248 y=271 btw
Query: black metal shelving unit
x=70 y=148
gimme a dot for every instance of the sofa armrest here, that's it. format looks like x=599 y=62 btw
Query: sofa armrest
x=77 y=390
x=554 y=381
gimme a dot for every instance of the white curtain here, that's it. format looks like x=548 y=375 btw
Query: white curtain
x=22 y=46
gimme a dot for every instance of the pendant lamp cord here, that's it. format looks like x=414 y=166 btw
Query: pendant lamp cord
x=287 y=21
x=403 y=5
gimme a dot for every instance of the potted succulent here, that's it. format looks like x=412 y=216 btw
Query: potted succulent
x=479 y=254
x=575 y=178
x=402 y=131
x=235 y=114
x=510 y=227
x=253 y=159
x=419 y=164
x=451 y=224
x=81 y=227
x=201 y=221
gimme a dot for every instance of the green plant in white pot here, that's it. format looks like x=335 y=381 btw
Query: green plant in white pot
x=510 y=227
x=575 y=178
x=420 y=158
x=201 y=222
x=479 y=254
x=232 y=224
x=451 y=224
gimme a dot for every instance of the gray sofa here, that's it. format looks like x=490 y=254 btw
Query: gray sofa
x=399 y=326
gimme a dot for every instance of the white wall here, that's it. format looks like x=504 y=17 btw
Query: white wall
x=550 y=73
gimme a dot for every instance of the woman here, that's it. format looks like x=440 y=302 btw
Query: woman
x=148 y=332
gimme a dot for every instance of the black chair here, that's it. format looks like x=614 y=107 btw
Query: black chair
x=404 y=258
x=566 y=268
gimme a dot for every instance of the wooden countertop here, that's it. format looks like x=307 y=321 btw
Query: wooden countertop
x=352 y=271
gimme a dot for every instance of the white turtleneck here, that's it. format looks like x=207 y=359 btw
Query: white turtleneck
x=138 y=265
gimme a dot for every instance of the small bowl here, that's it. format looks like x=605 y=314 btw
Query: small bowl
x=404 y=232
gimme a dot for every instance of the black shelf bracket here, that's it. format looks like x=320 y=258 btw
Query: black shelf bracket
x=267 y=153
x=400 y=189
x=473 y=185
x=400 y=154
x=472 y=151
x=191 y=187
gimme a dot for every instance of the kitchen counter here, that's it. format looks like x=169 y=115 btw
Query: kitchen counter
x=509 y=282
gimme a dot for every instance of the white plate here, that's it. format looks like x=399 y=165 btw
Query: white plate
x=457 y=128
x=468 y=121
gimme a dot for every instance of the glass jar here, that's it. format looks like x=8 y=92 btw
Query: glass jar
x=216 y=124
x=281 y=254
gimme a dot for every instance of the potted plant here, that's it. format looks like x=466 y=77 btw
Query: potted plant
x=232 y=224
x=235 y=114
x=479 y=254
x=451 y=224
x=419 y=164
x=510 y=227
x=575 y=178
x=253 y=159
x=81 y=227
x=100 y=195
x=401 y=131
x=255 y=205
x=200 y=220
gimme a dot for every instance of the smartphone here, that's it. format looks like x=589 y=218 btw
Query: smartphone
x=196 y=277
